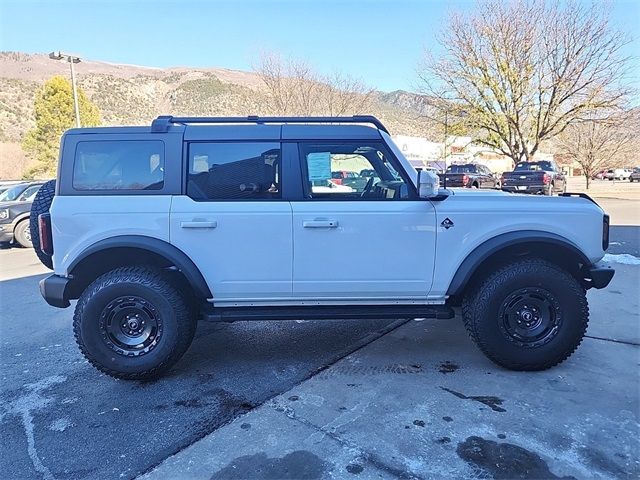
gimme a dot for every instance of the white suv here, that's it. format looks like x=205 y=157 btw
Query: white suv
x=225 y=219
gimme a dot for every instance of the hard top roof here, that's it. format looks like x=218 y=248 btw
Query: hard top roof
x=255 y=128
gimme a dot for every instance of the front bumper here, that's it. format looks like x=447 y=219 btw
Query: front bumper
x=598 y=275
x=54 y=289
x=6 y=232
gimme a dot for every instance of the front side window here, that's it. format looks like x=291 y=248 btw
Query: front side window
x=234 y=171
x=365 y=172
x=119 y=165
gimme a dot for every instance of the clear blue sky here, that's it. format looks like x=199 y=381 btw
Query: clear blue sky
x=378 y=41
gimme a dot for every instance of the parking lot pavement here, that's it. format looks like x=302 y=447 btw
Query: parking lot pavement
x=423 y=402
x=60 y=418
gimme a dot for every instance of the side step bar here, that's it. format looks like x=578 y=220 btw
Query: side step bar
x=326 y=312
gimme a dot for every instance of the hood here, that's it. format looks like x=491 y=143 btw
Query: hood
x=14 y=204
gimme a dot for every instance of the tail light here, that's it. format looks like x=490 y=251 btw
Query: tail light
x=546 y=178
x=44 y=228
x=605 y=232
x=465 y=179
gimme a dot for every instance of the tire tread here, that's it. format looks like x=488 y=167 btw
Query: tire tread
x=153 y=279
x=478 y=299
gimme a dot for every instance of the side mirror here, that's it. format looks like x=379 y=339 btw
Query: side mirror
x=428 y=184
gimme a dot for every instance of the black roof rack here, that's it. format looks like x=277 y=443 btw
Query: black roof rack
x=161 y=124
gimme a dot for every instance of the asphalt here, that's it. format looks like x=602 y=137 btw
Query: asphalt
x=247 y=396
x=82 y=424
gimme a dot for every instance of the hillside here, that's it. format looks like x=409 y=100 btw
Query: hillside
x=134 y=95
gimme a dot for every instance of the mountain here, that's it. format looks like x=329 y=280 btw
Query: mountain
x=134 y=95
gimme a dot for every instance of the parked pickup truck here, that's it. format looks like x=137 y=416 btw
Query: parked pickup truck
x=543 y=177
x=470 y=175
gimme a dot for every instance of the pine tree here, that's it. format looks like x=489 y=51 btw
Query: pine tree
x=54 y=114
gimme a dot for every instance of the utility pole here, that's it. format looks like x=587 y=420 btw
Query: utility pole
x=71 y=59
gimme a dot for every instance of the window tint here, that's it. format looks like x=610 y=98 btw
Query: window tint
x=366 y=172
x=119 y=165
x=232 y=171
x=29 y=193
x=461 y=169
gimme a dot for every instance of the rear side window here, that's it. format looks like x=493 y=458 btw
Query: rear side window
x=119 y=165
x=234 y=171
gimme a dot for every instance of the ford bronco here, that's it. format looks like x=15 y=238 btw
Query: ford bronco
x=224 y=219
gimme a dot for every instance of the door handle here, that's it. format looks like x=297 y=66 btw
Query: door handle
x=320 y=224
x=213 y=224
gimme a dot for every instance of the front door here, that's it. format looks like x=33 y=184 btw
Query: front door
x=368 y=239
x=233 y=222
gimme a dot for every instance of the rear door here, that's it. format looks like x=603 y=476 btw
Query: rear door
x=371 y=242
x=233 y=222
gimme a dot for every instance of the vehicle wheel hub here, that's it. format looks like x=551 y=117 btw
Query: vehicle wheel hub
x=530 y=317
x=130 y=326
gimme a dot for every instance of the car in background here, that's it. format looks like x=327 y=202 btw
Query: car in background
x=21 y=191
x=7 y=184
x=15 y=210
x=618 y=174
x=635 y=175
x=338 y=177
x=470 y=175
x=541 y=177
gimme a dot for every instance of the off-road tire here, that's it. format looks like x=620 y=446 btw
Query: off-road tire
x=41 y=204
x=155 y=287
x=480 y=309
x=21 y=234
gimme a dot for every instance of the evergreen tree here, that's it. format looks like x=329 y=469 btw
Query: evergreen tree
x=54 y=114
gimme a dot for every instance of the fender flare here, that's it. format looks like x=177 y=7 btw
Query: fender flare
x=470 y=264
x=154 y=245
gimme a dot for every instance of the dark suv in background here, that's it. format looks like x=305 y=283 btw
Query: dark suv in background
x=15 y=208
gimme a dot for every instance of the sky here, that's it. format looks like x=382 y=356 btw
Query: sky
x=380 y=42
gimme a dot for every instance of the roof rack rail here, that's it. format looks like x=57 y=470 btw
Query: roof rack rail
x=161 y=124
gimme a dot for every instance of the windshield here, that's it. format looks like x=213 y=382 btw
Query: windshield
x=533 y=166
x=461 y=169
x=12 y=193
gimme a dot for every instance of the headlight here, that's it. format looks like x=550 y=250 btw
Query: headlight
x=4 y=213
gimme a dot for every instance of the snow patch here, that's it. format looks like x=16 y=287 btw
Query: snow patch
x=61 y=425
x=623 y=258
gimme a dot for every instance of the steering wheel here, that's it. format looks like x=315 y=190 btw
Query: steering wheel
x=367 y=187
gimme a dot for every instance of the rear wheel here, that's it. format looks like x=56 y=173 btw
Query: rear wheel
x=550 y=189
x=529 y=315
x=132 y=323
x=41 y=204
x=22 y=235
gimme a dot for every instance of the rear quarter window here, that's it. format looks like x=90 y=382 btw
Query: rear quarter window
x=119 y=165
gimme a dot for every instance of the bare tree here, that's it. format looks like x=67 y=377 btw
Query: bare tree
x=601 y=143
x=519 y=72
x=294 y=88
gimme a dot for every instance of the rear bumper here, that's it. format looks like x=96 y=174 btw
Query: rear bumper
x=527 y=188
x=598 y=275
x=54 y=289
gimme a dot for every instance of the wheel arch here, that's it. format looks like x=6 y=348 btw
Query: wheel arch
x=20 y=218
x=507 y=246
x=126 y=250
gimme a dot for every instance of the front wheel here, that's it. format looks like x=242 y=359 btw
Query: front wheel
x=529 y=315
x=132 y=323
x=22 y=234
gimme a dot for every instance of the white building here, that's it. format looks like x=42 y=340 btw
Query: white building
x=424 y=153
